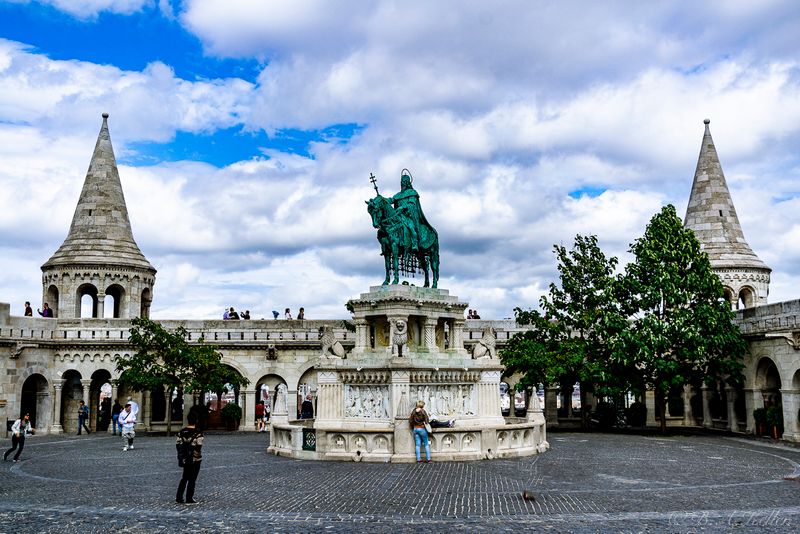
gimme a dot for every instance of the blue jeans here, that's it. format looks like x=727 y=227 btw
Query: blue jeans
x=115 y=424
x=421 y=435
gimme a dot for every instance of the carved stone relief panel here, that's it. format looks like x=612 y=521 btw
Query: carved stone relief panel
x=445 y=401
x=366 y=402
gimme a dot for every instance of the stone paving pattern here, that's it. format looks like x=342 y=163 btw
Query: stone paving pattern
x=586 y=483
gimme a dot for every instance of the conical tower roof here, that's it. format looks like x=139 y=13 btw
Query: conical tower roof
x=712 y=216
x=100 y=233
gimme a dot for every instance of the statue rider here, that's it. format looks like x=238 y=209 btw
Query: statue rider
x=406 y=202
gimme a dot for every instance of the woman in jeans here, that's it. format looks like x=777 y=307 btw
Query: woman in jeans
x=418 y=418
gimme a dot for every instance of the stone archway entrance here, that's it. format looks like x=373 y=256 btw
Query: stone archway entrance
x=35 y=401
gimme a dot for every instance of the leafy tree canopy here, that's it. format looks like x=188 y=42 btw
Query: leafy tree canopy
x=566 y=340
x=680 y=328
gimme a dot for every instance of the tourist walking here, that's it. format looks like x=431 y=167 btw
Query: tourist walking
x=46 y=311
x=419 y=421
x=83 y=415
x=260 y=416
x=20 y=429
x=127 y=419
x=28 y=309
x=189 y=445
x=307 y=408
x=115 y=410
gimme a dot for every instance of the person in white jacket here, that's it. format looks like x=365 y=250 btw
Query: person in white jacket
x=127 y=420
x=19 y=430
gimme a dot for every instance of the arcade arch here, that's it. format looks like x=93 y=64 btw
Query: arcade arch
x=768 y=381
x=747 y=298
x=51 y=298
x=34 y=400
x=86 y=296
x=112 y=307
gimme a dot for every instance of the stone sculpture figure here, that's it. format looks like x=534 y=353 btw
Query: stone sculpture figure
x=409 y=243
x=399 y=338
x=485 y=347
x=281 y=406
x=331 y=347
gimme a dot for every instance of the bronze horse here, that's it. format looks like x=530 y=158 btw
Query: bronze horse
x=392 y=237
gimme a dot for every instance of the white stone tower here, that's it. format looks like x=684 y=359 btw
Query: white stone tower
x=713 y=218
x=99 y=258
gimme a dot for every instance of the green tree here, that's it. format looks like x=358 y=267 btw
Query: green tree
x=165 y=359
x=680 y=327
x=567 y=340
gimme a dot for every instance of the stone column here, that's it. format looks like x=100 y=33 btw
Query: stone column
x=101 y=304
x=457 y=335
x=362 y=336
x=688 y=420
x=753 y=399
x=733 y=421
x=145 y=415
x=430 y=334
x=248 y=409
x=56 y=427
x=489 y=409
x=329 y=400
x=650 y=403
x=706 y=407
x=291 y=403
x=791 y=404
x=550 y=405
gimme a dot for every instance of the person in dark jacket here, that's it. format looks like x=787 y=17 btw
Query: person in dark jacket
x=191 y=466
x=418 y=419
x=307 y=408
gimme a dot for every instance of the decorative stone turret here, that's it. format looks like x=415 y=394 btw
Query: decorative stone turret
x=712 y=217
x=99 y=257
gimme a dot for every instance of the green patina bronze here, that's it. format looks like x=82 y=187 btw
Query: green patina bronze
x=409 y=244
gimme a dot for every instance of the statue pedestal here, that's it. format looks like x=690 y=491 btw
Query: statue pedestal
x=409 y=347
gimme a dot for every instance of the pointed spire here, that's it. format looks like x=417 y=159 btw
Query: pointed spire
x=712 y=216
x=100 y=233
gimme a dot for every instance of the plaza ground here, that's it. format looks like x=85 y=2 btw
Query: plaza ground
x=586 y=482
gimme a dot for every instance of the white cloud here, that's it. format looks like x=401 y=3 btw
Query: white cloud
x=89 y=9
x=500 y=113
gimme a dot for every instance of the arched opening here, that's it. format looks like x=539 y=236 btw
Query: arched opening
x=34 y=396
x=113 y=308
x=215 y=401
x=87 y=298
x=147 y=299
x=307 y=386
x=505 y=399
x=747 y=298
x=768 y=380
x=729 y=297
x=100 y=401
x=71 y=395
x=51 y=298
x=266 y=388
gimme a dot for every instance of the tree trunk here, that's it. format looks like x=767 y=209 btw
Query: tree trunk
x=661 y=409
x=169 y=413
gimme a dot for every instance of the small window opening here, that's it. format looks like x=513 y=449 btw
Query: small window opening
x=90 y=213
x=720 y=213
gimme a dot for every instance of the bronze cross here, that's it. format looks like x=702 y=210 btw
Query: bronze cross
x=374 y=182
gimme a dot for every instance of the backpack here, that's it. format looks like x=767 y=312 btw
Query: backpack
x=185 y=450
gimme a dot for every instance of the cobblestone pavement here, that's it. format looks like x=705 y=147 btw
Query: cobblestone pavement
x=585 y=483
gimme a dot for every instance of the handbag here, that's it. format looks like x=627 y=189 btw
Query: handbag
x=428 y=428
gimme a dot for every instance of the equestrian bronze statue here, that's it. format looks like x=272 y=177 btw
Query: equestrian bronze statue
x=409 y=244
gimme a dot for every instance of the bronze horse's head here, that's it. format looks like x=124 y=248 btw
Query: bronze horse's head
x=375 y=207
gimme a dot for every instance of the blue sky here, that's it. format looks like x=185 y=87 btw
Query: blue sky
x=246 y=132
